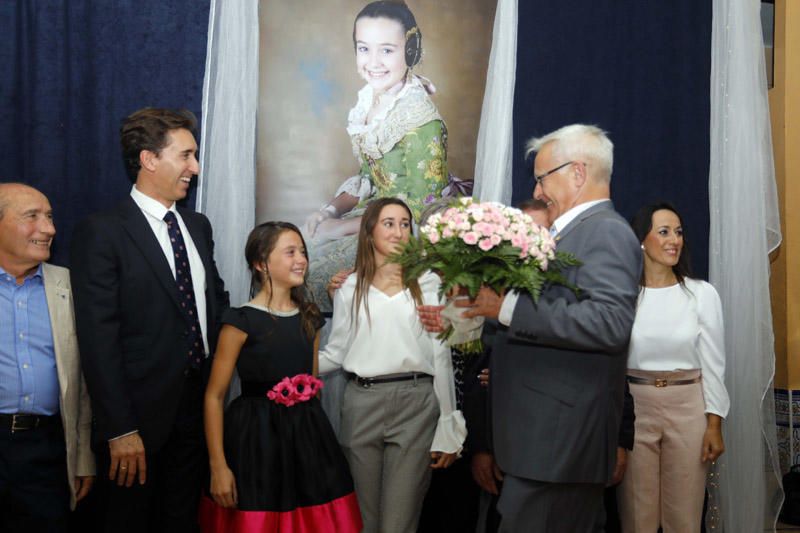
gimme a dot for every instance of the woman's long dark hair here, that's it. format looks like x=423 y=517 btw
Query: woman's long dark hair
x=365 y=257
x=260 y=243
x=642 y=224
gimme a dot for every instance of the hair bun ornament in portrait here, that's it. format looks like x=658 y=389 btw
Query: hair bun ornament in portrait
x=398 y=137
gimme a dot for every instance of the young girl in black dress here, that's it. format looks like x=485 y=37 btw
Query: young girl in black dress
x=275 y=462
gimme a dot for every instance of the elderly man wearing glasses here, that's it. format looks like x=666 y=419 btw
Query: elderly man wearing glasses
x=558 y=366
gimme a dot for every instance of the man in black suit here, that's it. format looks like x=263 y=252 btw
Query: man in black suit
x=147 y=301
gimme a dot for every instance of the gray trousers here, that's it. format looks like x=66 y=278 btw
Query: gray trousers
x=528 y=506
x=386 y=435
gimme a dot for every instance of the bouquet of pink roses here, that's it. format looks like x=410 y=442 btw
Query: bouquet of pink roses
x=472 y=244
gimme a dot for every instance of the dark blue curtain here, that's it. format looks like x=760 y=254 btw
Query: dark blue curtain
x=639 y=70
x=71 y=71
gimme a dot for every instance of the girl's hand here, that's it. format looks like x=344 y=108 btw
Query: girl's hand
x=431 y=317
x=337 y=280
x=442 y=460
x=334 y=228
x=223 y=487
x=713 y=445
x=314 y=219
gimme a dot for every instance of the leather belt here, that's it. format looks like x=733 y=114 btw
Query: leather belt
x=390 y=378
x=23 y=422
x=662 y=382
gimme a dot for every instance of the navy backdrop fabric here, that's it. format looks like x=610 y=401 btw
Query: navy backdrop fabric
x=639 y=70
x=71 y=71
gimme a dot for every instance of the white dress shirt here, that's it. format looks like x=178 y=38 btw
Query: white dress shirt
x=394 y=341
x=679 y=328
x=510 y=300
x=154 y=212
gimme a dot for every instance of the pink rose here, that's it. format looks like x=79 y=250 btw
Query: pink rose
x=483 y=228
x=315 y=384
x=283 y=393
x=300 y=382
x=470 y=238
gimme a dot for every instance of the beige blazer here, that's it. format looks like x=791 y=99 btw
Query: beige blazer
x=76 y=413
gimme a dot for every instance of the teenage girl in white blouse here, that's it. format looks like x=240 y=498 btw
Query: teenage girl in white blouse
x=676 y=369
x=398 y=415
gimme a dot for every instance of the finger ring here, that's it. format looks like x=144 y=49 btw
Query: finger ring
x=123 y=467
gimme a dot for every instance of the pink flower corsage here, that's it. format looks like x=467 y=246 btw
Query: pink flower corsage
x=299 y=388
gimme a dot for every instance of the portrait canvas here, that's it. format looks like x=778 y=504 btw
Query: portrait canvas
x=316 y=124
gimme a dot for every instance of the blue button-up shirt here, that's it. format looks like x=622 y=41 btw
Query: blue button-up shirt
x=28 y=375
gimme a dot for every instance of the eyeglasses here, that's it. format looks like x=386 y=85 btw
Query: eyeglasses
x=540 y=179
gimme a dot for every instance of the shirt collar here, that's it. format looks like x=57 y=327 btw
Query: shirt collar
x=152 y=207
x=561 y=222
x=37 y=274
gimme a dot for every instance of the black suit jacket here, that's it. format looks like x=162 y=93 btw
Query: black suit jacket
x=132 y=336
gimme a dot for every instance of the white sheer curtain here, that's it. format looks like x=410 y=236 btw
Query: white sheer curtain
x=745 y=492
x=227 y=150
x=495 y=143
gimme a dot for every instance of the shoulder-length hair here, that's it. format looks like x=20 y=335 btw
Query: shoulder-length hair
x=260 y=244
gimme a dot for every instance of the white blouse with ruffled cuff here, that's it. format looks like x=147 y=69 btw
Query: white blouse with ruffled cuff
x=394 y=341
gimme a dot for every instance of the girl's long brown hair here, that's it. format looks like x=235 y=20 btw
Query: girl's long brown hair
x=260 y=243
x=365 y=257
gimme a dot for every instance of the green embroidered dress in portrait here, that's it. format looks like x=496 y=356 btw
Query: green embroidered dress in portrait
x=402 y=151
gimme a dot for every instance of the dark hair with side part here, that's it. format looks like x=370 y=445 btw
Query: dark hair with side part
x=147 y=129
x=642 y=224
x=260 y=243
x=399 y=12
x=365 y=257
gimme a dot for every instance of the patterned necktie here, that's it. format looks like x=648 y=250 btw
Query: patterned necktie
x=183 y=279
x=553 y=231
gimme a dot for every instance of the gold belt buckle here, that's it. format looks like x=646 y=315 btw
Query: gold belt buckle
x=661 y=382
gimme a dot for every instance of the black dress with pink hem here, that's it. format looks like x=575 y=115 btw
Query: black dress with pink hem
x=291 y=475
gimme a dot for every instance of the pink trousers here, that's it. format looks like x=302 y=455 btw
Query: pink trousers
x=665 y=480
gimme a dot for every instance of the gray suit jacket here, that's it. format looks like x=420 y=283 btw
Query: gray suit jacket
x=76 y=414
x=558 y=370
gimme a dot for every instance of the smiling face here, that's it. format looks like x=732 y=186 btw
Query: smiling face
x=26 y=230
x=380 y=52
x=287 y=262
x=559 y=189
x=392 y=230
x=166 y=176
x=664 y=242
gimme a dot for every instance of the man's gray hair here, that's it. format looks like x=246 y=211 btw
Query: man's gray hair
x=579 y=142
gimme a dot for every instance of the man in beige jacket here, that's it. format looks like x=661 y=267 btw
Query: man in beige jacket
x=46 y=464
